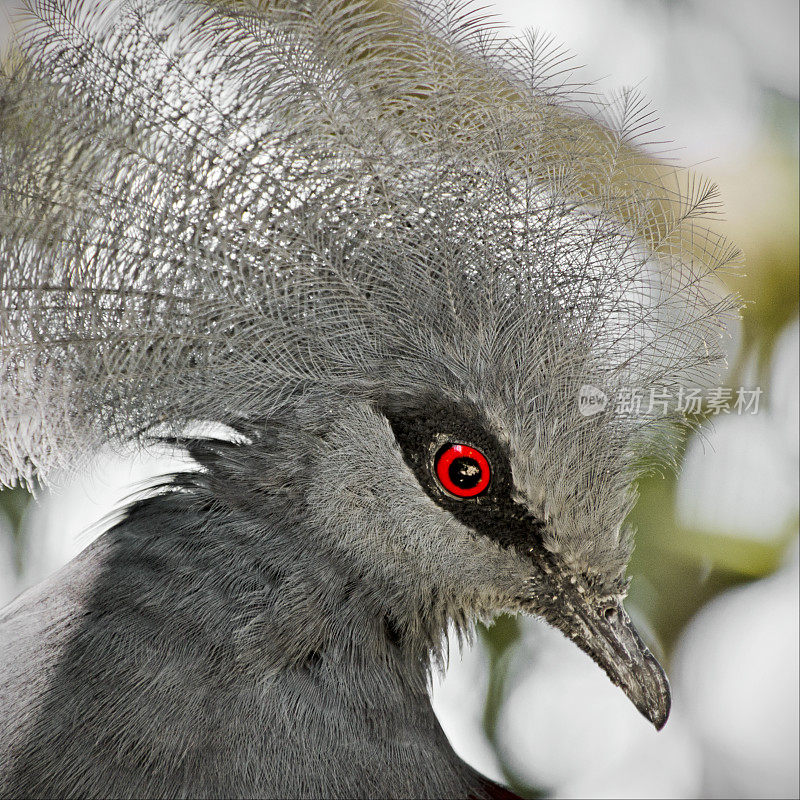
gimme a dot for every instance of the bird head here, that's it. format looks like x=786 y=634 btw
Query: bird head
x=432 y=502
x=397 y=230
x=459 y=505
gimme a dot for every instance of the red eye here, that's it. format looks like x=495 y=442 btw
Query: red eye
x=462 y=470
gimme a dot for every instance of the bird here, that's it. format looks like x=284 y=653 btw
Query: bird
x=361 y=261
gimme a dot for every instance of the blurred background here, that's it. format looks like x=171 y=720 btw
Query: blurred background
x=715 y=572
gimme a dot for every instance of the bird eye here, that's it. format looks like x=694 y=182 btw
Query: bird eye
x=462 y=470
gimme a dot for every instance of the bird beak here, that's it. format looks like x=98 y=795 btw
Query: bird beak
x=606 y=633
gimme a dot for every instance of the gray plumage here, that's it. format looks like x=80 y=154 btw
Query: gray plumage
x=346 y=234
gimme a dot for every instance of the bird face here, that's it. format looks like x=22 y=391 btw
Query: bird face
x=437 y=490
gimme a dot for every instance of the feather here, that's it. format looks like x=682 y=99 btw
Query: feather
x=208 y=208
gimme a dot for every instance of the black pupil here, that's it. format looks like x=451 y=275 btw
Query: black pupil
x=465 y=473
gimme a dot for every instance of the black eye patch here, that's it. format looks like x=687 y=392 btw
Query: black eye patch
x=425 y=432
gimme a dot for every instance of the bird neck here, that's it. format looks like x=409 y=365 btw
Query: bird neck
x=306 y=658
x=200 y=644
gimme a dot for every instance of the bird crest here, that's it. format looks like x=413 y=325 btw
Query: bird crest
x=210 y=210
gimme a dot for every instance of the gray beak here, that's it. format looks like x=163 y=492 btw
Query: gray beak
x=607 y=634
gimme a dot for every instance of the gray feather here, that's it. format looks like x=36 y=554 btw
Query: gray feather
x=101 y=698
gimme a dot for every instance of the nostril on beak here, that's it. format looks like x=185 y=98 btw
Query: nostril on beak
x=611 y=613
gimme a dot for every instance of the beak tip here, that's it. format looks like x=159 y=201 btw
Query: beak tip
x=657 y=708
